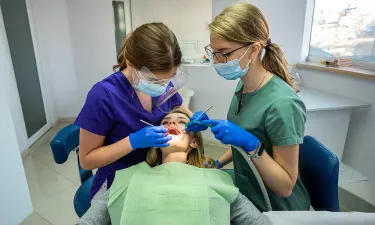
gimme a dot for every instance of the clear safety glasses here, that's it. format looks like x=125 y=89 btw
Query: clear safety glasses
x=171 y=85
x=175 y=84
x=146 y=75
x=221 y=57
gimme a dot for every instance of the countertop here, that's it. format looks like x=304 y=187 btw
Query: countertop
x=316 y=100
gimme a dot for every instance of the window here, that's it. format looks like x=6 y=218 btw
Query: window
x=343 y=28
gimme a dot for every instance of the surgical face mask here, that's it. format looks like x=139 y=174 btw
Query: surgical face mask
x=149 y=88
x=232 y=69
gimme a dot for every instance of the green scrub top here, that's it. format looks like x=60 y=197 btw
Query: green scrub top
x=276 y=116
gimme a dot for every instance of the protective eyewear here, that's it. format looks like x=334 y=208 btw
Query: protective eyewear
x=146 y=75
x=222 y=57
x=172 y=85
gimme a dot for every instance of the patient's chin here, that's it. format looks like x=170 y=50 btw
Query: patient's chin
x=171 y=149
x=178 y=143
x=179 y=140
x=176 y=139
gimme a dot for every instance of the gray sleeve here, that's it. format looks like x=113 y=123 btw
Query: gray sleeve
x=242 y=211
x=98 y=213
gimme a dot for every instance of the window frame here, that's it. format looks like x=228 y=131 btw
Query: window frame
x=367 y=65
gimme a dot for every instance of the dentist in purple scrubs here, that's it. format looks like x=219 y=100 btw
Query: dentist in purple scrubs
x=112 y=136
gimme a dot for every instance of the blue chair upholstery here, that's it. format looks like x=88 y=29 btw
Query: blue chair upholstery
x=66 y=141
x=319 y=172
x=82 y=196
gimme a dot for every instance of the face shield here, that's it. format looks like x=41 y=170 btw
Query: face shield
x=161 y=90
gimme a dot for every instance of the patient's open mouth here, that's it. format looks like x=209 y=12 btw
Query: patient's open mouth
x=173 y=131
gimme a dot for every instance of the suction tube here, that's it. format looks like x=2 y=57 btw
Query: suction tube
x=257 y=176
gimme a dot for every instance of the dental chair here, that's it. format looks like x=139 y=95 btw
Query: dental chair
x=319 y=172
x=66 y=141
x=318 y=167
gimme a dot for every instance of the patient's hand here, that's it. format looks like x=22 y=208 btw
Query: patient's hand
x=175 y=157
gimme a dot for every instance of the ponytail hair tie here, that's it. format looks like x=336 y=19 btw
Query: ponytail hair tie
x=268 y=44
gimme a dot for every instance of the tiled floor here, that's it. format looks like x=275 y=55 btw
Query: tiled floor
x=52 y=186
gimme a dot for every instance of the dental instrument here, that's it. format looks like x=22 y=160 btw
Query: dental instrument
x=147 y=123
x=204 y=111
x=169 y=130
x=186 y=125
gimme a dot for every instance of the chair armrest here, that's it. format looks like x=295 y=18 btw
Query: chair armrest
x=65 y=141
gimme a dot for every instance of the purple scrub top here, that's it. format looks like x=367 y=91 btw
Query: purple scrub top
x=112 y=109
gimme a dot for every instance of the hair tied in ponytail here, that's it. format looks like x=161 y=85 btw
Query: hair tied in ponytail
x=268 y=44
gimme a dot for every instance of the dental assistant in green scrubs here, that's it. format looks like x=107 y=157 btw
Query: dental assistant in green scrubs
x=266 y=117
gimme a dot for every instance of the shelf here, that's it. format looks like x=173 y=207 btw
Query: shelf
x=196 y=65
x=347 y=71
x=316 y=100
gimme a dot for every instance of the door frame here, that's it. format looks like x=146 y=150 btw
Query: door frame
x=24 y=142
x=128 y=16
x=42 y=79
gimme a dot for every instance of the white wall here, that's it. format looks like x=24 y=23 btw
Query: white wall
x=15 y=202
x=55 y=48
x=93 y=40
x=286 y=20
x=188 y=19
x=210 y=89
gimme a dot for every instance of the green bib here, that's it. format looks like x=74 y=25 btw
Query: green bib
x=172 y=193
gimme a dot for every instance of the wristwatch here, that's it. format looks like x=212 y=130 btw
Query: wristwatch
x=257 y=152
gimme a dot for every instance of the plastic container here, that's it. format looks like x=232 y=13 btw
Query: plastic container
x=186 y=94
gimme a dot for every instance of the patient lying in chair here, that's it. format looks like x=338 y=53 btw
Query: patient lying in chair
x=174 y=187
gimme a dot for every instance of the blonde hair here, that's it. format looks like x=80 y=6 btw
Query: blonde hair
x=196 y=156
x=152 y=45
x=245 y=23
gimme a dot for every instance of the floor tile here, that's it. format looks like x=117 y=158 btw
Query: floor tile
x=216 y=152
x=34 y=219
x=33 y=166
x=42 y=152
x=45 y=184
x=48 y=136
x=69 y=169
x=60 y=208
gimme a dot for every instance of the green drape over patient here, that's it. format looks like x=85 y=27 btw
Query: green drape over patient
x=172 y=193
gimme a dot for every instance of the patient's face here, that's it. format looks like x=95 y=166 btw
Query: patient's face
x=181 y=140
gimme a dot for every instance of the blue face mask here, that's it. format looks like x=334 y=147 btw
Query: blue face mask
x=232 y=69
x=151 y=89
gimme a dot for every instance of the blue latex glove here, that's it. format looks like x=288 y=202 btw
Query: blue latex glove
x=195 y=127
x=217 y=163
x=148 y=137
x=231 y=134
